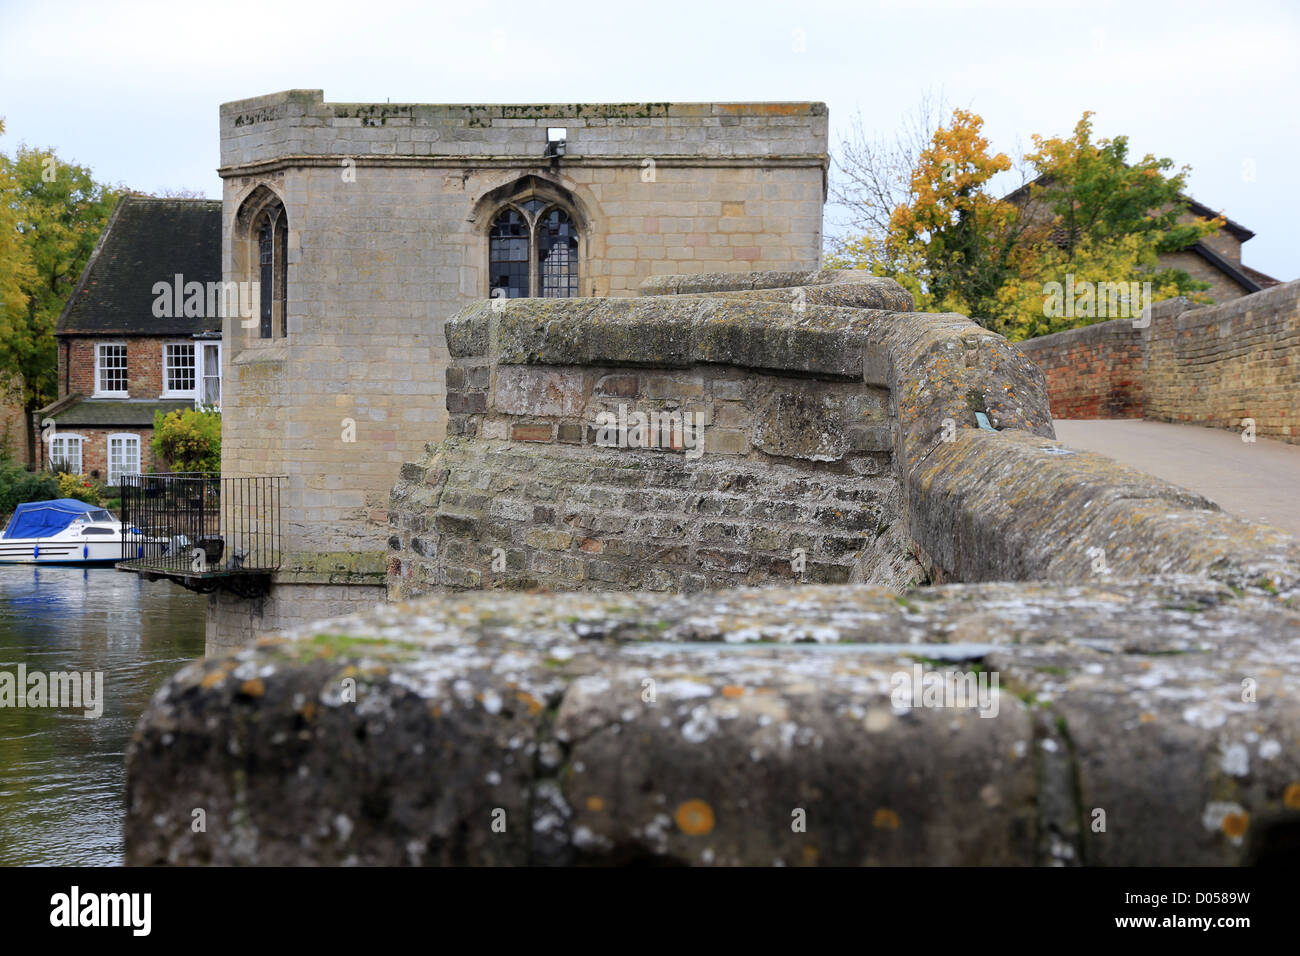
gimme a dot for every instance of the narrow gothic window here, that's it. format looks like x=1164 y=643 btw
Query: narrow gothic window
x=266 y=258
x=268 y=231
x=533 y=251
x=509 y=254
x=557 y=255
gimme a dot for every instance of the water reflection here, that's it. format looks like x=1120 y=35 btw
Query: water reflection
x=62 y=776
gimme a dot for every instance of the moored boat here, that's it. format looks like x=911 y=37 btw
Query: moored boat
x=63 y=531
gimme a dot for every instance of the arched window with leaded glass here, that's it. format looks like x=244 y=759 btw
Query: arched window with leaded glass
x=557 y=255
x=508 y=250
x=533 y=250
x=271 y=229
x=261 y=258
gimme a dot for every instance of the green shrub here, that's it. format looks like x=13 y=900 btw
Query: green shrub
x=81 y=488
x=188 y=440
x=18 y=485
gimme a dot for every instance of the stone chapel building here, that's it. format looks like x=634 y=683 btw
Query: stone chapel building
x=371 y=224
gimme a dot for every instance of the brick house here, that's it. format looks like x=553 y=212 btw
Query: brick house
x=136 y=337
x=1215 y=259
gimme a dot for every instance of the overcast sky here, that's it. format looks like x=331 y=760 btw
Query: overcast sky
x=132 y=89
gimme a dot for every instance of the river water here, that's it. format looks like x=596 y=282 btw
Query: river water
x=62 y=774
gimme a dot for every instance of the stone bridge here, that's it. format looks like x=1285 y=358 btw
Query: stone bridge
x=880 y=616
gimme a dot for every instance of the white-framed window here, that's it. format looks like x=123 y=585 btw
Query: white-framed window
x=110 y=369
x=209 y=375
x=123 y=456
x=66 y=449
x=179 y=370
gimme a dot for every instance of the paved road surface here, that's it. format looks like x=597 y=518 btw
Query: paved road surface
x=1257 y=480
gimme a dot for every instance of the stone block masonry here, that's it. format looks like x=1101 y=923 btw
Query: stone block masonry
x=1214 y=365
x=497 y=515
x=761 y=454
x=927 y=494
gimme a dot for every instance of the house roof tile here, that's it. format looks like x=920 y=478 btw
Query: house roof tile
x=146 y=241
x=101 y=413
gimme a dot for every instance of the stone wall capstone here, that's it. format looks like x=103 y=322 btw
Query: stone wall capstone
x=685 y=730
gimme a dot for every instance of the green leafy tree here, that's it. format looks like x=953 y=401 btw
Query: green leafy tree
x=57 y=212
x=1098 y=195
x=188 y=440
x=16 y=277
x=1100 y=219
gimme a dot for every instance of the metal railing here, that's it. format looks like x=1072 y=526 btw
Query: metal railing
x=198 y=525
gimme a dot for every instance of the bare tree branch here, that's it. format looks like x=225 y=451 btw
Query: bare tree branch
x=871 y=174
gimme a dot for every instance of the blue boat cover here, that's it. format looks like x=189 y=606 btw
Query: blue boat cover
x=40 y=519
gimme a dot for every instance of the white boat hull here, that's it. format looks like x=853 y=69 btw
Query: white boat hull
x=60 y=550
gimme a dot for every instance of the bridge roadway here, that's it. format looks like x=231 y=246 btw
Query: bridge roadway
x=1259 y=480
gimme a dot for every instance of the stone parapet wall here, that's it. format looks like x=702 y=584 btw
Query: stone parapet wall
x=693 y=730
x=1215 y=365
x=998 y=502
x=772 y=457
x=496 y=514
x=1017 y=507
x=300 y=123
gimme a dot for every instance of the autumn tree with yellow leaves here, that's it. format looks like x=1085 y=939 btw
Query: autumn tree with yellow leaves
x=1089 y=214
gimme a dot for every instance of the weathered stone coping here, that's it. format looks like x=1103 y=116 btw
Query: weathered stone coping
x=671 y=332
x=1014 y=506
x=947 y=367
x=733 y=281
x=1126 y=698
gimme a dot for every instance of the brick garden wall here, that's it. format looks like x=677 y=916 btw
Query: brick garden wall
x=1214 y=366
x=13 y=434
x=1092 y=372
